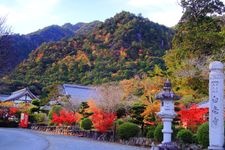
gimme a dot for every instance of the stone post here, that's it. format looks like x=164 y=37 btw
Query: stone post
x=216 y=106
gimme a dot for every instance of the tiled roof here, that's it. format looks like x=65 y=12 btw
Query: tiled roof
x=22 y=95
x=79 y=93
x=203 y=104
x=3 y=97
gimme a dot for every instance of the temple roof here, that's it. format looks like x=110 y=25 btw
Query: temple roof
x=79 y=93
x=22 y=95
x=3 y=97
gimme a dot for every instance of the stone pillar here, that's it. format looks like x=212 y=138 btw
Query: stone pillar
x=216 y=106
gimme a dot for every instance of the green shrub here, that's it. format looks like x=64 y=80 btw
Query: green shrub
x=128 y=130
x=86 y=124
x=119 y=122
x=150 y=132
x=195 y=139
x=185 y=136
x=55 y=109
x=33 y=109
x=158 y=135
x=203 y=134
x=39 y=117
x=36 y=102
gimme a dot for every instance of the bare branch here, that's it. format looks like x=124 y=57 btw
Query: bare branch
x=111 y=96
x=4 y=29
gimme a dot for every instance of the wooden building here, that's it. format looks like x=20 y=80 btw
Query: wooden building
x=23 y=95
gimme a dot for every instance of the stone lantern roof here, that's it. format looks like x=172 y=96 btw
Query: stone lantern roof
x=167 y=93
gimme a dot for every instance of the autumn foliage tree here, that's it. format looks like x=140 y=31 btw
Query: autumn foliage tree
x=101 y=120
x=13 y=110
x=192 y=117
x=150 y=113
x=65 y=118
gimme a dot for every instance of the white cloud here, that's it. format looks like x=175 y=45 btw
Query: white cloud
x=166 y=12
x=34 y=13
x=150 y=3
x=169 y=18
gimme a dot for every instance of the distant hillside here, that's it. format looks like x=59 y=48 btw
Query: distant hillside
x=15 y=48
x=120 y=48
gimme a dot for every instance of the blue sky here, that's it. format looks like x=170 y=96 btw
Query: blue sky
x=25 y=16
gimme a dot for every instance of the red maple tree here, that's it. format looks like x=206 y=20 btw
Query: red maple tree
x=194 y=116
x=13 y=110
x=101 y=120
x=65 y=117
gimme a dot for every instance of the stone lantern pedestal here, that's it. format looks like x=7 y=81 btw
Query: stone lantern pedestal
x=167 y=128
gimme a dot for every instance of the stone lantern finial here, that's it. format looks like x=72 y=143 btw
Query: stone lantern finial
x=167 y=93
x=167 y=85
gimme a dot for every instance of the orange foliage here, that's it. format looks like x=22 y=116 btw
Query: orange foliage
x=39 y=56
x=107 y=37
x=150 y=112
x=81 y=56
x=151 y=86
x=101 y=120
x=7 y=104
x=91 y=105
x=151 y=109
x=123 y=53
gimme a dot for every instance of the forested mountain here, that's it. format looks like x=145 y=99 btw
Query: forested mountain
x=15 y=48
x=120 y=48
x=199 y=39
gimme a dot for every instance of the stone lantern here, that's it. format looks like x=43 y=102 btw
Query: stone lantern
x=167 y=113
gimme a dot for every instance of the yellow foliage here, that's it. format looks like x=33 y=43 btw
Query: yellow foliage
x=68 y=61
x=92 y=106
x=7 y=104
x=123 y=53
x=82 y=57
x=151 y=109
x=127 y=86
x=151 y=86
x=107 y=37
x=24 y=107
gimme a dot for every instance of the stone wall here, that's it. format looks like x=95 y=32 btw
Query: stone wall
x=95 y=135
x=107 y=137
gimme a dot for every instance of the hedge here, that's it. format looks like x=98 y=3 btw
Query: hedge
x=128 y=130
